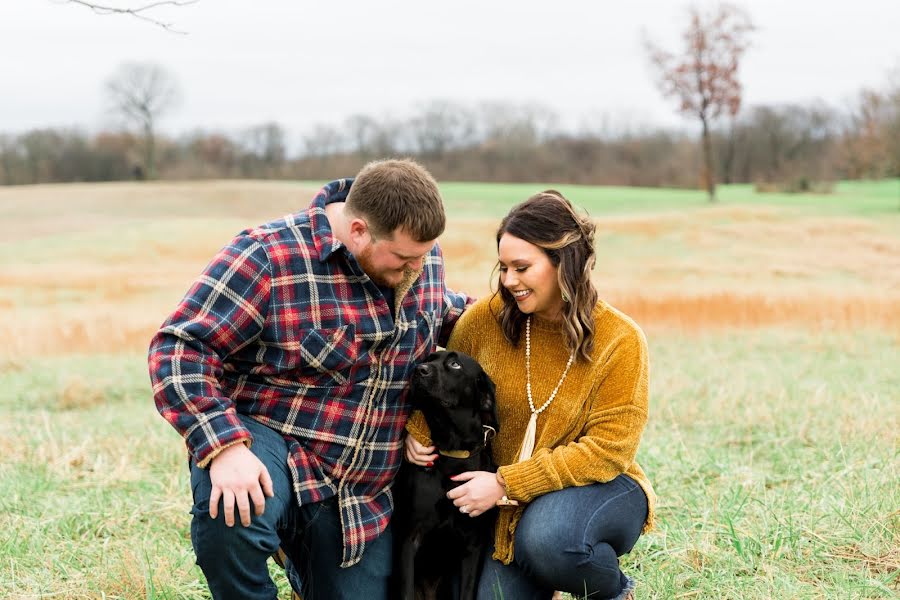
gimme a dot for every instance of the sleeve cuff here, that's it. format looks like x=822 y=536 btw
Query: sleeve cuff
x=523 y=478
x=222 y=431
x=203 y=464
x=418 y=428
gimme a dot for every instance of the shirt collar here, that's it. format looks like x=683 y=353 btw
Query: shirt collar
x=323 y=238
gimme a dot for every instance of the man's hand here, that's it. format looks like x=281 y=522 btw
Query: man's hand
x=416 y=453
x=237 y=473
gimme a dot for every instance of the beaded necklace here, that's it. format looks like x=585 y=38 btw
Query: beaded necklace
x=528 y=441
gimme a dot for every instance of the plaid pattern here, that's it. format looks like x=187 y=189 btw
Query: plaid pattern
x=283 y=325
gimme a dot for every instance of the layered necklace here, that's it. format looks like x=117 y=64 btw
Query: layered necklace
x=528 y=442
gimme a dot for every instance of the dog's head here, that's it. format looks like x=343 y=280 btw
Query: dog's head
x=454 y=393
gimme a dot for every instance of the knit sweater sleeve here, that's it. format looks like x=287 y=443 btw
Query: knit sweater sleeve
x=609 y=440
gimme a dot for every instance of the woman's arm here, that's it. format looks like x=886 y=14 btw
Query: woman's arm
x=611 y=435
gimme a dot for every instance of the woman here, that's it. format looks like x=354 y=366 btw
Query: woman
x=571 y=375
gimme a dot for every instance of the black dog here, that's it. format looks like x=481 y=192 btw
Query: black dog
x=435 y=544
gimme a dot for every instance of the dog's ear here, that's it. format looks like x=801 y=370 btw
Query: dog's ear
x=488 y=401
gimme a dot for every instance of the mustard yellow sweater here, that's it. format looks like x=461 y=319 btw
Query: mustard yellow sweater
x=589 y=433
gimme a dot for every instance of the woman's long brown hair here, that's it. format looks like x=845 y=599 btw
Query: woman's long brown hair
x=548 y=220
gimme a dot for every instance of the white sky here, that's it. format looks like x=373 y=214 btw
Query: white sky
x=301 y=62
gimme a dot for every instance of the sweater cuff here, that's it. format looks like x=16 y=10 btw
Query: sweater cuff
x=524 y=480
x=417 y=427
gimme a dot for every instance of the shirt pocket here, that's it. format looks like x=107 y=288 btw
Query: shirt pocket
x=331 y=352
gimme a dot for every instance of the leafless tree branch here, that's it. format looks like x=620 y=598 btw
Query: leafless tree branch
x=138 y=12
x=703 y=78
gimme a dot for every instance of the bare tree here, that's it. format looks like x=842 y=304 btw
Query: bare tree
x=141 y=93
x=324 y=140
x=9 y=159
x=788 y=147
x=267 y=142
x=264 y=150
x=866 y=147
x=516 y=126
x=372 y=136
x=141 y=12
x=704 y=76
x=440 y=126
x=893 y=125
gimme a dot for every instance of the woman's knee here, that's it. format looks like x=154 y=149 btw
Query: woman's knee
x=570 y=565
x=535 y=543
x=546 y=551
x=547 y=529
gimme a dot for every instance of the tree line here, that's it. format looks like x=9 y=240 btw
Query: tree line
x=791 y=146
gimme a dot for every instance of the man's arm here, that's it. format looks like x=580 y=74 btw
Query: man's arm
x=455 y=303
x=224 y=310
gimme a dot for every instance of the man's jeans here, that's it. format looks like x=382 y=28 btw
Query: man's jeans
x=570 y=540
x=234 y=558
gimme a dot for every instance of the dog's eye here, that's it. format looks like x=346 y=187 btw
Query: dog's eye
x=453 y=364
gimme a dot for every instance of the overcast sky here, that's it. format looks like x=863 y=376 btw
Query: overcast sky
x=300 y=62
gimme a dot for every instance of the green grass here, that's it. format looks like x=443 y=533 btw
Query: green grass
x=774 y=456
x=775 y=459
x=95 y=493
x=856 y=198
x=774 y=452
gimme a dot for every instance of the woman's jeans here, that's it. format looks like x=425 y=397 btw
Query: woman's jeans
x=570 y=540
x=234 y=559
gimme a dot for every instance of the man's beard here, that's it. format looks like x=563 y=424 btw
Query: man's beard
x=364 y=259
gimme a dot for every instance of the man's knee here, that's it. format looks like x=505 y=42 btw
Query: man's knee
x=212 y=537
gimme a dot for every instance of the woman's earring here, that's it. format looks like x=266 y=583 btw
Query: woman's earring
x=565 y=297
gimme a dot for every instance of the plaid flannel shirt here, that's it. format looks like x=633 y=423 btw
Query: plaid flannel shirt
x=284 y=326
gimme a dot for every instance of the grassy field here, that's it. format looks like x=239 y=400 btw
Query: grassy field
x=774 y=329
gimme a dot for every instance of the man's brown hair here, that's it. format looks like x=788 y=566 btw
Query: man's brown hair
x=395 y=193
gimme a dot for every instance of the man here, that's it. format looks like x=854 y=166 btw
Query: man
x=285 y=369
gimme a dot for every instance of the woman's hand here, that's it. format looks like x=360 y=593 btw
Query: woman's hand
x=478 y=495
x=417 y=454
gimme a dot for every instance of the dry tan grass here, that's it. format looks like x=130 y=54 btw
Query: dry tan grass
x=102 y=265
x=733 y=310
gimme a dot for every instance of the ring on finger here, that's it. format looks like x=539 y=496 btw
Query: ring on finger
x=464 y=509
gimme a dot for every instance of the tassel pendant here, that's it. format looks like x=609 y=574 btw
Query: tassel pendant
x=531 y=430
x=528 y=442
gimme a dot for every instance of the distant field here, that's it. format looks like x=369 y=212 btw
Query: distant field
x=95 y=268
x=849 y=197
x=774 y=329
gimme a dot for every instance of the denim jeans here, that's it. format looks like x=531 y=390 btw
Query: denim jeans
x=570 y=540
x=234 y=559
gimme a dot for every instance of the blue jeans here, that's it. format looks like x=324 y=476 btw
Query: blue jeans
x=570 y=540
x=234 y=559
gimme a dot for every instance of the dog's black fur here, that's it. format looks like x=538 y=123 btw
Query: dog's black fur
x=434 y=543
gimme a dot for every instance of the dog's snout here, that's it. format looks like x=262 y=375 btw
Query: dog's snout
x=423 y=370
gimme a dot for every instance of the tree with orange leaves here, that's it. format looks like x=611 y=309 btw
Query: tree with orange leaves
x=704 y=77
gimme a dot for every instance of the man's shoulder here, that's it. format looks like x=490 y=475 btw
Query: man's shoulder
x=287 y=236
x=290 y=226
x=285 y=243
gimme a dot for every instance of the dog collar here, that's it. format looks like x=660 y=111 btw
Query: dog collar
x=455 y=453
